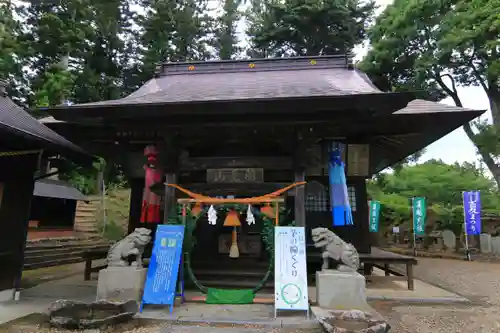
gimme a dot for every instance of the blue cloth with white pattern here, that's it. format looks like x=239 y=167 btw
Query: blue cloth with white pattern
x=339 y=197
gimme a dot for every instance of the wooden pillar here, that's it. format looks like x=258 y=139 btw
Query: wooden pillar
x=169 y=203
x=136 y=191
x=362 y=216
x=299 y=166
x=17 y=178
x=169 y=156
x=300 y=200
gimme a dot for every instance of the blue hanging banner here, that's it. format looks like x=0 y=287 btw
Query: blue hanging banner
x=472 y=212
x=163 y=270
x=339 y=197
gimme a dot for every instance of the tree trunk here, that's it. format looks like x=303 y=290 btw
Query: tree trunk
x=487 y=159
x=486 y=156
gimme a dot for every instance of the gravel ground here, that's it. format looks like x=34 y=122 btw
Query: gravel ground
x=477 y=281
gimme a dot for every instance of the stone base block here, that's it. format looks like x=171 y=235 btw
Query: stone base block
x=121 y=284
x=337 y=290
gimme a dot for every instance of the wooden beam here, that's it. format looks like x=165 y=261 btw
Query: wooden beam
x=203 y=163
x=236 y=201
x=246 y=189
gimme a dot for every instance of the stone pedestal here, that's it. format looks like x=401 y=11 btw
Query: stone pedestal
x=121 y=284
x=337 y=290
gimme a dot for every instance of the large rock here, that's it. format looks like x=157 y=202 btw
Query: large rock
x=77 y=315
x=121 y=284
x=338 y=290
x=350 y=321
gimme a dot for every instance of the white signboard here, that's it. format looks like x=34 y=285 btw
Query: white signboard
x=290 y=273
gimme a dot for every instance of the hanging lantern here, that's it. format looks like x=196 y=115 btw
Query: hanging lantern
x=268 y=210
x=197 y=209
x=233 y=220
x=150 y=211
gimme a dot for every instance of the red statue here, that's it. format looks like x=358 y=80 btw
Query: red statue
x=150 y=201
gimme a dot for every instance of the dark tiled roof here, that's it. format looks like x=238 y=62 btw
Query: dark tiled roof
x=234 y=86
x=419 y=106
x=52 y=188
x=17 y=121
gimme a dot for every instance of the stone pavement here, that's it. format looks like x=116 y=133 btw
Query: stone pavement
x=477 y=281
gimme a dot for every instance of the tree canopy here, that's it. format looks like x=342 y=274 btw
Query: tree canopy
x=440 y=183
x=435 y=45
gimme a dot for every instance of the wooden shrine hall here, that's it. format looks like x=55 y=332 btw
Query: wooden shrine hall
x=250 y=127
x=25 y=147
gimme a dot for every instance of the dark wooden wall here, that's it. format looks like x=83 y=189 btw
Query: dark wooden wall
x=53 y=212
x=16 y=174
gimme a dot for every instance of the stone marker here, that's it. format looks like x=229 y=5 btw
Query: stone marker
x=495 y=245
x=121 y=280
x=342 y=288
x=338 y=290
x=485 y=243
x=121 y=284
x=449 y=239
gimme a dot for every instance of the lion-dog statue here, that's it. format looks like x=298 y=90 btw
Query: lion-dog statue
x=131 y=246
x=335 y=248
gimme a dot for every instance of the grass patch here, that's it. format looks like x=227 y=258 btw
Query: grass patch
x=117 y=204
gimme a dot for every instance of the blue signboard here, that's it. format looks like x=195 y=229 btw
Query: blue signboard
x=163 y=270
x=472 y=212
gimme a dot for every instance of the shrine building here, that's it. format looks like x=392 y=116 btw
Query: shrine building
x=249 y=127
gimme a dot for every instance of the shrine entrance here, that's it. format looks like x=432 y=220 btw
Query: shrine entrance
x=216 y=226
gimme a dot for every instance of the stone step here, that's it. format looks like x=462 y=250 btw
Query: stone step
x=229 y=273
x=49 y=252
x=66 y=244
x=38 y=258
x=52 y=263
x=235 y=284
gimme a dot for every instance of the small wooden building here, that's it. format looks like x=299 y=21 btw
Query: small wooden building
x=24 y=146
x=270 y=120
x=53 y=209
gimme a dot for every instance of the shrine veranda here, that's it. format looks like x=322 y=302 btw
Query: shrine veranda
x=250 y=127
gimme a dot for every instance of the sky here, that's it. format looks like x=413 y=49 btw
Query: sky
x=456 y=146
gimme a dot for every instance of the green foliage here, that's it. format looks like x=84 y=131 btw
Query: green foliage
x=313 y=27
x=441 y=184
x=422 y=45
x=112 y=231
x=225 y=41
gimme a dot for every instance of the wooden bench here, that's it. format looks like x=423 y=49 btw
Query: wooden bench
x=92 y=255
x=88 y=257
x=383 y=260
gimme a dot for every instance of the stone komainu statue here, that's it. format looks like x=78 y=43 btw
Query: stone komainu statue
x=335 y=248
x=131 y=246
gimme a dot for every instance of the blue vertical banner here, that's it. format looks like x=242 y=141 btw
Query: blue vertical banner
x=374 y=215
x=163 y=270
x=339 y=197
x=472 y=212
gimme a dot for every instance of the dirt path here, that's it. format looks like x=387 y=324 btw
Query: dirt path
x=478 y=281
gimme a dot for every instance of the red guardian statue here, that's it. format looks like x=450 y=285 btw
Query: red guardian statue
x=150 y=212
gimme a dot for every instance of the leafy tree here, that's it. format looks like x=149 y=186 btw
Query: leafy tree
x=173 y=31
x=312 y=27
x=423 y=45
x=441 y=184
x=11 y=52
x=226 y=42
